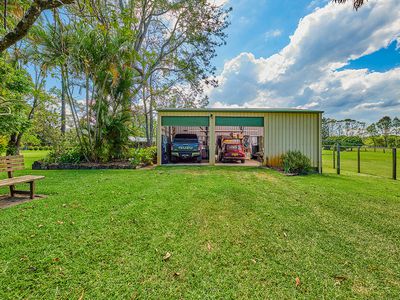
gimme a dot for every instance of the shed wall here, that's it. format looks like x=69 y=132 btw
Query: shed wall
x=292 y=131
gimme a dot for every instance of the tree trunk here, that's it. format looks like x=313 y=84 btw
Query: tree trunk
x=146 y=116
x=63 y=117
x=5 y=14
x=14 y=144
x=88 y=110
x=151 y=117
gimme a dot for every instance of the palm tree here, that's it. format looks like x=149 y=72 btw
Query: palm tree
x=51 y=42
x=356 y=3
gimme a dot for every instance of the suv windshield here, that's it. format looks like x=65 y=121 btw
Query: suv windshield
x=185 y=138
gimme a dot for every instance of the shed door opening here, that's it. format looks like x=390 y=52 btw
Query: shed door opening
x=185 y=139
x=239 y=140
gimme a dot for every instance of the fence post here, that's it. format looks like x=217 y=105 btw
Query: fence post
x=333 y=156
x=394 y=163
x=359 y=159
x=338 y=159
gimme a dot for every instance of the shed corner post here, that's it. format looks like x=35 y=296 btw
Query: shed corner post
x=211 y=150
x=159 y=140
x=265 y=160
x=320 y=143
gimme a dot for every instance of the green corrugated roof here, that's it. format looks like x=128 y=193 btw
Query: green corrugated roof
x=236 y=110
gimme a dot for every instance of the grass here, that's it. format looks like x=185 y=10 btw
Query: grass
x=373 y=163
x=31 y=156
x=232 y=232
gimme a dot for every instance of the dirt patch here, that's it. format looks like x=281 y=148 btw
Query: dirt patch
x=266 y=176
x=7 y=201
x=361 y=289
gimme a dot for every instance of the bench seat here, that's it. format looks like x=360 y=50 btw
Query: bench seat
x=18 y=180
x=10 y=164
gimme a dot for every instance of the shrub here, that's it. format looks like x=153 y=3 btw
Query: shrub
x=135 y=156
x=29 y=139
x=71 y=156
x=150 y=155
x=295 y=162
x=145 y=156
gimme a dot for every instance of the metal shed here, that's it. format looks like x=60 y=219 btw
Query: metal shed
x=283 y=129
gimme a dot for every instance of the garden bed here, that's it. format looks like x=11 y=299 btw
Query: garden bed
x=40 y=165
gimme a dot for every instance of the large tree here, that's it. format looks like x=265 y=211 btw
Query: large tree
x=137 y=55
x=384 y=125
x=373 y=133
x=176 y=50
x=22 y=26
x=128 y=58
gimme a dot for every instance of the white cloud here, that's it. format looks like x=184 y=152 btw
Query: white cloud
x=305 y=73
x=273 y=34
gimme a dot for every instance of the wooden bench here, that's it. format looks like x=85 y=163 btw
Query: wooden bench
x=10 y=164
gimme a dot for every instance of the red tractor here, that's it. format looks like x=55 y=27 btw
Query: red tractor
x=231 y=149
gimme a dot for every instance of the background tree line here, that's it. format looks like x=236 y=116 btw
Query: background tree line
x=383 y=133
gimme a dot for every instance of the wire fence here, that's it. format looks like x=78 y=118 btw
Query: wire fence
x=379 y=161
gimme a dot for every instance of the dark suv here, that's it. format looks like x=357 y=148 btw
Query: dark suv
x=186 y=147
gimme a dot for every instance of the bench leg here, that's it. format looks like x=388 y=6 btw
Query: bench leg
x=12 y=190
x=32 y=187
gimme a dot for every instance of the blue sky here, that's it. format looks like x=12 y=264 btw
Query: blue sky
x=261 y=26
x=311 y=54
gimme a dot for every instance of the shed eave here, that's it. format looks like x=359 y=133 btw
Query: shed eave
x=239 y=110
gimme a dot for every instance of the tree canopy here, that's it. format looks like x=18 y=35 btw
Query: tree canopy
x=116 y=62
x=21 y=28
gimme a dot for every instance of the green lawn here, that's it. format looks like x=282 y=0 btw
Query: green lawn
x=373 y=163
x=31 y=156
x=232 y=232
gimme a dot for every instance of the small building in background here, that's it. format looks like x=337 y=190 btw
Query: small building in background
x=138 y=142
